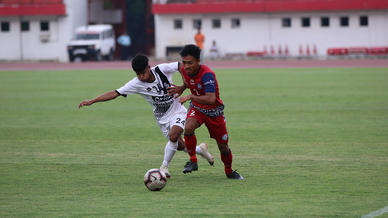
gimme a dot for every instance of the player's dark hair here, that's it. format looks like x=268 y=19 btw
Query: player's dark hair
x=139 y=63
x=191 y=50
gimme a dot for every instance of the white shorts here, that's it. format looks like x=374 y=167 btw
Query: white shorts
x=176 y=118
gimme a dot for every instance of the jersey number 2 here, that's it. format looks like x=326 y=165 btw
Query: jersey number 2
x=179 y=120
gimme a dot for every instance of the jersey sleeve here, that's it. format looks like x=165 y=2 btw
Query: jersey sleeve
x=127 y=89
x=209 y=81
x=169 y=68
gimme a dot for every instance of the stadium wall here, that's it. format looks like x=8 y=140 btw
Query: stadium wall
x=35 y=44
x=261 y=31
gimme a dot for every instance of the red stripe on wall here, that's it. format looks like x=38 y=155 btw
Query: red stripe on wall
x=29 y=10
x=271 y=6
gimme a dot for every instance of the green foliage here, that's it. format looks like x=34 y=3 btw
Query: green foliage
x=309 y=142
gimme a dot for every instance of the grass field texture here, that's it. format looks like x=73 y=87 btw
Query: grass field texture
x=309 y=142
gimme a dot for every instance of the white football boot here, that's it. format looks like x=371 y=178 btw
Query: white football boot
x=205 y=153
x=164 y=169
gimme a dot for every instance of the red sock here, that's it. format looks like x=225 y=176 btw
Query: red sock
x=227 y=162
x=191 y=143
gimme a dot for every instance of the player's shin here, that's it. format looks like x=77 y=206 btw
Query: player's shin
x=227 y=160
x=191 y=143
x=169 y=152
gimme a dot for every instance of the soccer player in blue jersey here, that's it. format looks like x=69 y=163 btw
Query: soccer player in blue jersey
x=206 y=107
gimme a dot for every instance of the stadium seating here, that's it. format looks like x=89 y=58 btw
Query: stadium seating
x=256 y=53
x=358 y=50
x=378 y=51
x=337 y=51
x=375 y=51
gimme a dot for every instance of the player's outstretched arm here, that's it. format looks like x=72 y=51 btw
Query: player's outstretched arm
x=104 y=97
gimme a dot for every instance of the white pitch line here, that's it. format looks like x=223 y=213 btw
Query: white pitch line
x=376 y=213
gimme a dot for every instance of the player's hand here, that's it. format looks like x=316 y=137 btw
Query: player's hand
x=85 y=103
x=175 y=91
x=183 y=99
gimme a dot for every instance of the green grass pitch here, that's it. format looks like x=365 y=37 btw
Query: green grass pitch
x=309 y=142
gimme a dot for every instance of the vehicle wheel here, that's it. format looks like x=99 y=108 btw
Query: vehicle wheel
x=77 y=59
x=71 y=59
x=98 y=56
x=109 y=57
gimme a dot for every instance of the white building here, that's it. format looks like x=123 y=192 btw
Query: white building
x=257 y=26
x=39 y=30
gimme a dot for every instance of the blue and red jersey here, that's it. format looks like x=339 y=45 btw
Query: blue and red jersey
x=204 y=81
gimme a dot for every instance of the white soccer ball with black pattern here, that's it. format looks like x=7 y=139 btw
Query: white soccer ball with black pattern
x=155 y=179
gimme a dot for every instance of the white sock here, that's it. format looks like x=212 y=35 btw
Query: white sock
x=169 y=152
x=197 y=150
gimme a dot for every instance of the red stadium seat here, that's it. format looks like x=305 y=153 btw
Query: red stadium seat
x=315 y=50
x=307 y=50
x=272 y=50
x=378 y=51
x=256 y=53
x=358 y=50
x=286 y=50
x=300 y=50
x=337 y=51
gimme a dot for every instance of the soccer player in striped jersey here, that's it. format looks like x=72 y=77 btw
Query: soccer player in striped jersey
x=205 y=107
x=170 y=114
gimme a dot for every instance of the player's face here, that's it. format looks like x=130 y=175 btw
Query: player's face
x=146 y=75
x=190 y=64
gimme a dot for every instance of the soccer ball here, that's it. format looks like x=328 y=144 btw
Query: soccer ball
x=155 y=179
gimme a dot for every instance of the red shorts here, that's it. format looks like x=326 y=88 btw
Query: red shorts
x=215 y=125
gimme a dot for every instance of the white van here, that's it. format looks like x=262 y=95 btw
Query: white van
x=92 y=42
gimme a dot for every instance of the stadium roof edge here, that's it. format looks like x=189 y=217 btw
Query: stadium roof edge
x=32 y=10
x=270 y=6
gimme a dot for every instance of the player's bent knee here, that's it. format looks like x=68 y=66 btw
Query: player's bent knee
x=174 y=137
x=189 y=130
x=190 y=126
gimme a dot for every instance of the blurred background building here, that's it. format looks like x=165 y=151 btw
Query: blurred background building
x=274 y=27
x=39 y=30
